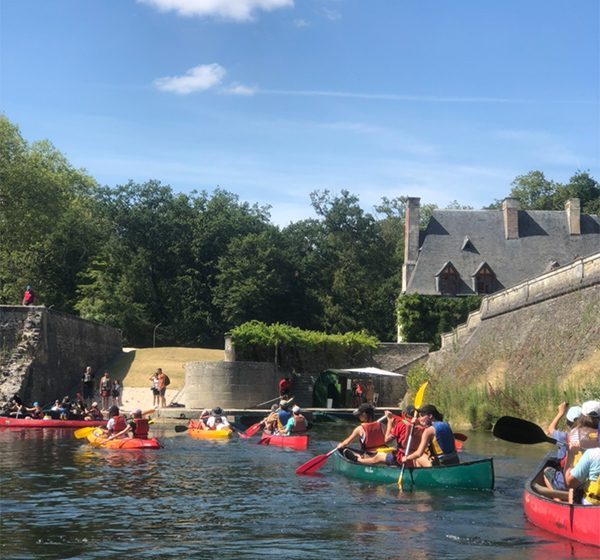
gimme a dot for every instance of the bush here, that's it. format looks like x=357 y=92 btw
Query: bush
x=294 y=348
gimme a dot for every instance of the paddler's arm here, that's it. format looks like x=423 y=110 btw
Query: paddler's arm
x=122 y=432
x=425 y=439
x=562 y=408
x=355 y=433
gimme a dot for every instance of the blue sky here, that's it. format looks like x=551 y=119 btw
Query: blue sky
x=272 y=99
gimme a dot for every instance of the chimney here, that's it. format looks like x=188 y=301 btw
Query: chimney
x=573 y=209
x=510 y=211
x=411 y=239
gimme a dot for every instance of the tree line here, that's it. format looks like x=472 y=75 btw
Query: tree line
x=137 y=255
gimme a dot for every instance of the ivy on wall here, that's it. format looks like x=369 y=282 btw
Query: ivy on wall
x=423 y=318
x=302 y=350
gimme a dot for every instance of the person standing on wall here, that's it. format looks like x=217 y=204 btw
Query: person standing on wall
x=163 y=383
x=105 y=387
x=28 y=296
x=87 y=385
x=285 y=387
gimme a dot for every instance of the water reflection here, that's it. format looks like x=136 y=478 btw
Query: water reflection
x=64 y=499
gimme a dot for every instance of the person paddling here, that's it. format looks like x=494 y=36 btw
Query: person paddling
x=137 y=425
x=437 y=441
x=116 y=423
x=297 y=423
x=370 y=433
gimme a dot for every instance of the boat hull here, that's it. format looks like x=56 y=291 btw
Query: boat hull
x=98 y=440
x=68 y=424
x=474 y=475
x=299 y=442
x=198 y=433
x=572 y=521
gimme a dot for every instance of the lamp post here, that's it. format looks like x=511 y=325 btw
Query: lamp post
x=154 y=335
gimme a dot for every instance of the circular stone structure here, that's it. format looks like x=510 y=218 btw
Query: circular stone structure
x=229 y=384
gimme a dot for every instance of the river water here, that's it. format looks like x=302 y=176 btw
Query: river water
x=62 y=499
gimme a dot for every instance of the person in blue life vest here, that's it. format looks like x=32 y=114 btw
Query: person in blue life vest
x=370 y=433
x=437 y=440
x=297 y=424
x=283 y=415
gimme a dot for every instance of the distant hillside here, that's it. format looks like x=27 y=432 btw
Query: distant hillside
x=135 y=365
x=522 y=363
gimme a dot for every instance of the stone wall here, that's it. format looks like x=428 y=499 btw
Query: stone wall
x=575 y=276
x=43 y=352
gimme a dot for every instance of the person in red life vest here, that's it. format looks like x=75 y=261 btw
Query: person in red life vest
x=285 y=387
x=137 y=425
x=370 y=433
x=398 y=428
x=437 y=440
x=296 y=424
x=28 y=296
x=116 y=424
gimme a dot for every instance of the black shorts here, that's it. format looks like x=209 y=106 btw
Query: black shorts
x=155 y=391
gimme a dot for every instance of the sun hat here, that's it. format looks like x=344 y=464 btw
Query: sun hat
x=217 y=411
x=591 y=408
x=296 y=409
x=573 y=413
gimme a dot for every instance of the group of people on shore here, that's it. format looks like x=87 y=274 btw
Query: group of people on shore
x=159 y=381
x=421 y=438
x=578 y=451
x=109 y=390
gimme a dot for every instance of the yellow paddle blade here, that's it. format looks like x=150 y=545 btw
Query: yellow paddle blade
x=420 y=395
x=84 y=432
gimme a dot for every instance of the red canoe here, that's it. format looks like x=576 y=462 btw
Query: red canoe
x=6 y=422
x=572 y=521
x=295 y=442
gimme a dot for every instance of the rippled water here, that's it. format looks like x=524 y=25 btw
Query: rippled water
x=237 y=500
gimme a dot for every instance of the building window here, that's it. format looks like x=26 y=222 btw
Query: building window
x=448 y=281
x=484 y=280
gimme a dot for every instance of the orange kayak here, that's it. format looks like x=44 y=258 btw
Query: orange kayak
x=97 y=439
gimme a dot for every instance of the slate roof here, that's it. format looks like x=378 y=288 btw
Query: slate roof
x=543 y=237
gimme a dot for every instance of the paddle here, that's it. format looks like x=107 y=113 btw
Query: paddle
x=418 y=402
x=264 y=440
x=84 y=432
x=517 y=430
x=313 y=465
x=251 y=430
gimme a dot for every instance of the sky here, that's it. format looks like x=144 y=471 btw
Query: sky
x=273 y=99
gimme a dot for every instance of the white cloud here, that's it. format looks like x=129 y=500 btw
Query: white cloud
x=237 y=10
x=301 y=23
x=199 y=78
x=239 y=89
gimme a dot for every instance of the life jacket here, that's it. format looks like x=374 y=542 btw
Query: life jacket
x=119 y=424
x=442 y=449
x=37 y=414
x=580 y=439
x=28 y=297
x=282 y=419
x=299 y=424
x=374 y=436
x=141 y=428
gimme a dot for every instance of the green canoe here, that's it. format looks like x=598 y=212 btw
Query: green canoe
x=476 y=475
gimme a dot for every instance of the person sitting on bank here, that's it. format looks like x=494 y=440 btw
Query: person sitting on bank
x=217 y=420
x=296 y=425
x=437 y=440
x=116 y=423
x=370 y=433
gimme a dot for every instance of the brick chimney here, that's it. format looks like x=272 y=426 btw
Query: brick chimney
x=510 y=212
x=573 y=209
x=411 y=239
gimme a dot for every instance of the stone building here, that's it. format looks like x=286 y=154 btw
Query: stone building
x=467 y=252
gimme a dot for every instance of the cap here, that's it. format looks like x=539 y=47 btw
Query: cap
x=36 y=403
x=364 y=408
x=573 y=413
x=409 y=410
x=94 y=403
x=296 y=409
x=283 y=403
x=591 y=408
x=217 y=411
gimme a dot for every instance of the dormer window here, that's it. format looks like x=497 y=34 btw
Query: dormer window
x=467 y=245
x=447 y=280
x=484 y=279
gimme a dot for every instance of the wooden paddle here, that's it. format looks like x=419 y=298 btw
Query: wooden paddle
x=418 y=402
x=517 y=430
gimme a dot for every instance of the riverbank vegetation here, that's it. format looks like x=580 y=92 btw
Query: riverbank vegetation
x=186 y=268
